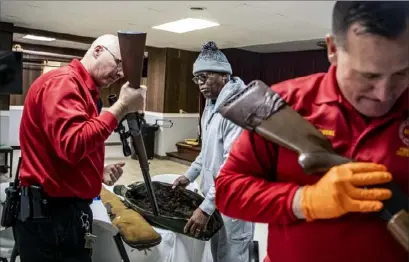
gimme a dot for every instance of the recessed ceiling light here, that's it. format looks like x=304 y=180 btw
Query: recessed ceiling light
x=195 y=8
x=39 y=38
x=186 y=25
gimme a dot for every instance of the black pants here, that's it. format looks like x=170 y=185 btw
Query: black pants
x=59 y=238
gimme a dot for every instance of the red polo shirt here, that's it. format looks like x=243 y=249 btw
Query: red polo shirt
x=61 y=135
x=244 y=191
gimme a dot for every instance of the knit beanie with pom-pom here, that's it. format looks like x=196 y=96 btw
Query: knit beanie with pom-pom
x=211 y=59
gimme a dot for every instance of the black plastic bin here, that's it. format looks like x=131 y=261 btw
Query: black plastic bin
x=148 y=134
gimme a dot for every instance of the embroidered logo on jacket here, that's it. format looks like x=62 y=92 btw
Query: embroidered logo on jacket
x=327 y=132
x=404 y=132
x=404 y=136
x=403 y=151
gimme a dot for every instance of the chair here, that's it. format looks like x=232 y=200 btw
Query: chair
x=103 y=223
x=7 y=150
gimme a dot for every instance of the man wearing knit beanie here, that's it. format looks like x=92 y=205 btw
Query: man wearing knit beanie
x=212 y=73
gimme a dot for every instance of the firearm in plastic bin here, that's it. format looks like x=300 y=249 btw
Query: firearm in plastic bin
x=132 y=46
x=258 y=108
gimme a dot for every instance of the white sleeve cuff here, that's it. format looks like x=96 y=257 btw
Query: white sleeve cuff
x=296 y=205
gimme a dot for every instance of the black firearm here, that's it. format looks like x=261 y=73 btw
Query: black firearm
x=132 y=46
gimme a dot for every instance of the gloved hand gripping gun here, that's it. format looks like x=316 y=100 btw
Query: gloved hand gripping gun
x=132 y=46
x=258 y=108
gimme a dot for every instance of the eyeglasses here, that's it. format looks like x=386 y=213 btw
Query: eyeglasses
x=117 y=60
x=202 y=78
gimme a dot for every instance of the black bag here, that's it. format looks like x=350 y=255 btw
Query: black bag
x=176 y=206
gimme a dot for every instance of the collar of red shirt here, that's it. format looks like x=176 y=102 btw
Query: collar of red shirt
x=79 y=68
x=328 y=89
x=330 y=92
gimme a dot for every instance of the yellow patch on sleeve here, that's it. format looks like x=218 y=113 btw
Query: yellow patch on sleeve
x=403 y=151
x=327 y=132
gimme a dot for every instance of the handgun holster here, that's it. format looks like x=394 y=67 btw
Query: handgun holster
x=33 y=203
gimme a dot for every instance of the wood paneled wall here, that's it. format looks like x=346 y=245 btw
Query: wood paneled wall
x=155 y=100
x=170 y=85
x=169 y=81
x=180 y=91
x=30 y=74
x=6 y=41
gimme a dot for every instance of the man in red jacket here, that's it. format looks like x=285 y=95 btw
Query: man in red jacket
x=361 y=105
x=62 y=139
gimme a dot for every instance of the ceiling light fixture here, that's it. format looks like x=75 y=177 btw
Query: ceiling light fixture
x=39 y=38
x=195 y=8
x=186 y=25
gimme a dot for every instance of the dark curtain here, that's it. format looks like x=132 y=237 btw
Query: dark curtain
x=245 y=64
x=277 y=67
x=273 y=68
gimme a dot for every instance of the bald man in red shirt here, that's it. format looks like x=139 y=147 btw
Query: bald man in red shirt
x=62 y=139
x=361 y=105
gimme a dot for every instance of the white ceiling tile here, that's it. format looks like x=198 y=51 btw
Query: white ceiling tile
x=242 y=22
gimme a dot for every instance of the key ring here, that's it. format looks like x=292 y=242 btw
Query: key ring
x=84 y=220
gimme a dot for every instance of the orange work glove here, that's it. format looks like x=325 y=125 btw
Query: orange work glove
x=338 y=192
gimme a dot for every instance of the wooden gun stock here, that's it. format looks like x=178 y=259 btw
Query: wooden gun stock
x=132 y=46
x=134 y=229
x=258 y=108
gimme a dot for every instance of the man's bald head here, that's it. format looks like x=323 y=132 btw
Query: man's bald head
x=109 y=41
x=103 y=60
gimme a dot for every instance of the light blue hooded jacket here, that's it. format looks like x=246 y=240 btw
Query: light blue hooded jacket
x=218 y=134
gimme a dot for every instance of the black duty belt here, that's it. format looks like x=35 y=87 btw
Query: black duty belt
x=35 y=204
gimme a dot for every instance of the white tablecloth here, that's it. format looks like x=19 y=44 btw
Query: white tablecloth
x=173 y=247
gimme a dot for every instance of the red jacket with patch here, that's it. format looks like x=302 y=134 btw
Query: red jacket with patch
x=244 y=191
x=62 y=136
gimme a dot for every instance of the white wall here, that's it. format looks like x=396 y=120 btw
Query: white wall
x=184 y=126
x=4 y=126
